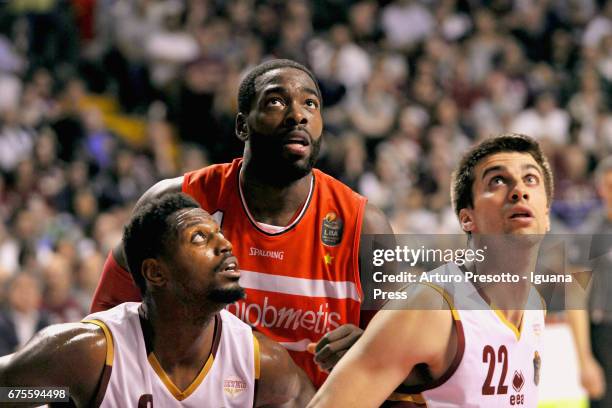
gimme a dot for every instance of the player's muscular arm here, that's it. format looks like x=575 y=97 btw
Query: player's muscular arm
x=394 y=342
x=116 y=285
x=592 y=374
x=375 y=221
x=64 y=355
x=281 y=383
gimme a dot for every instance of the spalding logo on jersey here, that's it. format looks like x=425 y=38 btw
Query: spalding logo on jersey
x=331 y=231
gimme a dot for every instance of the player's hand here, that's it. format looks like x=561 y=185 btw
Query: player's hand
x=333 y=345
x=592 y=378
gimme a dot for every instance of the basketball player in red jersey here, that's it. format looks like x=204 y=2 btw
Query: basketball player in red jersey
x=296 y=230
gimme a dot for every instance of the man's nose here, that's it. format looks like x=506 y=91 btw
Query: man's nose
x=224 y=244
x=295 y=115
x=519 y=192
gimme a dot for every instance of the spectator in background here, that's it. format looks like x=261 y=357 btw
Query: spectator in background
x=59 y=301
x=76 y=177
x=108 y=228
x=294 y=36
x=373 y=111
x=484 y=45
x=406 y=23
x=16 y=142
x=9 y=254
x=412 y=215
x=544 y=121
x=22 y=316
x=87 y=275
x=598 y=27
x=592 y=323
x=85 y=205
x=454 y=23
x=364 y=23
x=169 y=47
x=336 y=57
x=585 y=106
x=575 y=195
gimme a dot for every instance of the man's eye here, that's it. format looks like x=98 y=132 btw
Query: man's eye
x=497 y=180
x=531 y=179
x=275 y=102
x=312 y=103
x=198 y=237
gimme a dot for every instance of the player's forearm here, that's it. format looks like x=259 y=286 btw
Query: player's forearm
x=362 y=378
x=353 y=390
x=579 y=323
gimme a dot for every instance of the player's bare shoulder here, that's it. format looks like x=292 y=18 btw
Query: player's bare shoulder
x=65 y=355
x=375 y=221
x=163 y=187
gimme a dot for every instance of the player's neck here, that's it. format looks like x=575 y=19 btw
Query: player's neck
x=512 y=264
x=274 y=204
x=189 y=349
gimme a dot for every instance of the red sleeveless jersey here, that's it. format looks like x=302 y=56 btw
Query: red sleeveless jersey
x=302 y=281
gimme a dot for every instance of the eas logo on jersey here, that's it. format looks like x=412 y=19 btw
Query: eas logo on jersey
x=518 y=381
x=331 y=231
x=233 y=385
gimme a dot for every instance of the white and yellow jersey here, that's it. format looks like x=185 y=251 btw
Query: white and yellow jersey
x=496 y=365
x=133 y=377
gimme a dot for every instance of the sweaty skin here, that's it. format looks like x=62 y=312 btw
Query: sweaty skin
x=72 y=355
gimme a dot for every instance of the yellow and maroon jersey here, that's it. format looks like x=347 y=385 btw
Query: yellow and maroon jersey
x=134 y=377
x=301 y=280
x=496 y=364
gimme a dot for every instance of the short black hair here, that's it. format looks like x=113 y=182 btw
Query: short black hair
x=463 y=177
x=246 y=91
x=150 y=231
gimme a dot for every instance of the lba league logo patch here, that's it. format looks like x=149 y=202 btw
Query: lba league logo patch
x=233 y=385
x=331 y=231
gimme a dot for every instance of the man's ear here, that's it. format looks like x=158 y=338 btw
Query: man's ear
x=153 y=272
x=466 y=219
x=242 y=128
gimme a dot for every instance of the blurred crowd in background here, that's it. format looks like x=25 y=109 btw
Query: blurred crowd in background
x=99 y=99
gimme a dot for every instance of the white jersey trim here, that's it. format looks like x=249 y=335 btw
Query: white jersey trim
x=299 y=286
x=275 y=229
